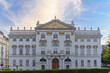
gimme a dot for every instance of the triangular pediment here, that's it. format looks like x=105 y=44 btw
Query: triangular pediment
x=55 y=24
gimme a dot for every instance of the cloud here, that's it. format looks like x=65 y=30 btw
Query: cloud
x=5 y=4
x=43 y=10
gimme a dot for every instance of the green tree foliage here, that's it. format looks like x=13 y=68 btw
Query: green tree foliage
x=105 y=55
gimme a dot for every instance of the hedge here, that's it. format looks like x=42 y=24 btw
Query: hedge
x=101 y=70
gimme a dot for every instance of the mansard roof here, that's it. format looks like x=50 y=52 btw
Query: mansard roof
x=56 y=22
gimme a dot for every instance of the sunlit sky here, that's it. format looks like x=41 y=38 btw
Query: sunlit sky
x=84 y=13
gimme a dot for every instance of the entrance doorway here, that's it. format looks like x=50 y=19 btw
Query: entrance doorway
x=43 y=67
x=55 y=63
x=67 y=66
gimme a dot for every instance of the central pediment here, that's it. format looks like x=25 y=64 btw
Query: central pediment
x=55 y=24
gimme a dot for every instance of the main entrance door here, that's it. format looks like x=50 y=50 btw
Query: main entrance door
x=55 y=63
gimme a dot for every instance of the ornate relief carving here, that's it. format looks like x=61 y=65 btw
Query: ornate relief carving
x=61 y=33
x=33 y=46
x=49 y=33
x=72 y=33
x=55 y=26
x=38 y=33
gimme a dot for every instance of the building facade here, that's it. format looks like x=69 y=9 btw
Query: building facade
x=54 y=45
x=4 y=51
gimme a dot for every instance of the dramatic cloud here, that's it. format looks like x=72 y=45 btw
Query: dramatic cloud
x=43 y=10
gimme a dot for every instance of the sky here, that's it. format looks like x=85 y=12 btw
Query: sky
x=84 y=13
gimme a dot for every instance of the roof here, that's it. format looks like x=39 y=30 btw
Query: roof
x=57 y=21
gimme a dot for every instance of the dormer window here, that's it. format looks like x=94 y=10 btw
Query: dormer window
x=55 y=36
x=67 y=36
x=43 y=35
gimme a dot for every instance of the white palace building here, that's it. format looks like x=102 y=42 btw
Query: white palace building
x=54 y=45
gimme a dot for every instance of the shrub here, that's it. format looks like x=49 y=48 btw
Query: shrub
x=101 y=70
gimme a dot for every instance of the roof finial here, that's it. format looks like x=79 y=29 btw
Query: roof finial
x=55 y=17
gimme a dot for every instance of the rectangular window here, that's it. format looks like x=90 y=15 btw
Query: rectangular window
x=88 y=63
x=14 y=51
x=82 y=51
x=68 y=52
x=14 y=62
x=34 y=51
x=20 y=62
x=95 y=40
x=20 y=51
x=43 y=52
x=82 y=63
x=55 y=52
x=95 y=62
x=88 y=40
x=21 y=39
x=27 y=63
x=76 y=40
x=27 y=39
x=33 y=64
x=82 y=40
x=76 y=63
x=95 y=51
x=76 y=51
x=88 y=51
x=27 y=51
x=14 y=39
x=34 y=39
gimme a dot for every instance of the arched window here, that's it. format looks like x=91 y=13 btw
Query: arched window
x=42 y=35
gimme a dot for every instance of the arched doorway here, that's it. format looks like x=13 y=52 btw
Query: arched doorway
x=43 y=62
x=67 y=61
x=55 y=63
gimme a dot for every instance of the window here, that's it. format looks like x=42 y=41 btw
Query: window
x=76 y=63
x=20 y=51
x=82 y=51
x=55 y=36
x=14 y=39
x=27 y=39
x=82 y=40
x=68 y=52
x=20 y=62
x=27 y=51
x=88 y=40
x=14 y=51
x=14 y=62
x=27 y=63
x=34 y=39
x=43 y=35
x=76 y=51
x=95 y=62
x=88 y=51
x=88 y=63
x=95 y=40
x=95 y=51
x=33 y=64
x=55 y=52
x=82 y=63
x=34 y=51
x=42 y=52
x=21 y=39
x=76 y=40
x=67 y=36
